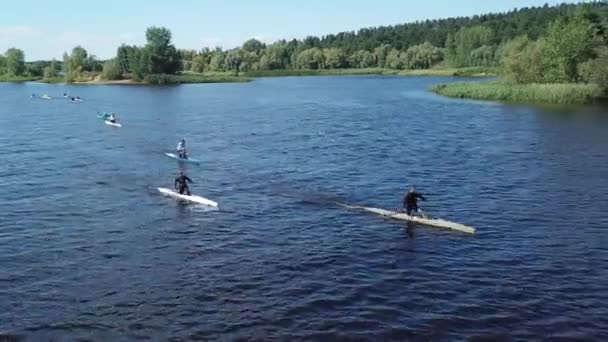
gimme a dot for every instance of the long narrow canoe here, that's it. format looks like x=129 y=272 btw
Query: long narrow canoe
x=114 y=124
x=193 y=198
x=433 y=222
x=184 y=160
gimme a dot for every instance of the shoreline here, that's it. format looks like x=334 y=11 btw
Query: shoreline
x=232 y=77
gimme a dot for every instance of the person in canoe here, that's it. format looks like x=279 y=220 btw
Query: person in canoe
x=181 y=149
x=410 y=201
x=181 y=183
x=112 y=118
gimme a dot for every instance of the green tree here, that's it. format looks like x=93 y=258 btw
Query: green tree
x=233 y=60
x=15 y=62
x=160 y=55
x=567 y=44
x=521 y=61
x=35 y=69
x=217 y=61
x=596 y=70
x=482 y=56
x=393 y=60
x=275 y=56
x=122 y=59
x=460 y=45
x=335 y=58
x=136 y=66
x=253 y=45
x=362 y=59
x=198 y=63
x=92 y=64
x=49 y=72
x=312 y=58
x=422 y=56
x=111 y=70
x=381 y=52
x=74 y=63
x=249 y=62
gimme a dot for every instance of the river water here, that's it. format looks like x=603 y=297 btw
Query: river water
x=90 y=250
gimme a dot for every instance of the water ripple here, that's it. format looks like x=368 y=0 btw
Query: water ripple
x=90 y=251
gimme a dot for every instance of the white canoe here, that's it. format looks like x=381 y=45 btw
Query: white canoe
x=193 y=199
x=114 y=124
x=184 y=160
x=434 y=222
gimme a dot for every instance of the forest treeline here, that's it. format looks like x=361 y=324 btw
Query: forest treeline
x=564 y=43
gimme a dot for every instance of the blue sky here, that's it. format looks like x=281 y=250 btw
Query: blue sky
x=45 y=29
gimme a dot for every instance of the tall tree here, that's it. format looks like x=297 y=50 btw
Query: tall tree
x=465 y=41
x=161 y=57
x=122 y=59
x=253 y=45
x=362 y=59
x=335 y=58
x=381 y=52
x=15 y=62
x=521 y=60
x=567 y=44
x=74 y=63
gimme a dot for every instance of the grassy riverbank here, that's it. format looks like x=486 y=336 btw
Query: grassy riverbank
x=471 y=72
x=195 y=78
x=6 y=78
x=568 y=93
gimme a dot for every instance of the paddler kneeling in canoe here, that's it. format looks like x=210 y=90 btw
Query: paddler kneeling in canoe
x=181 y=183
x=410 y=201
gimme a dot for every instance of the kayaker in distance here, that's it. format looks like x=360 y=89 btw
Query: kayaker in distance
x=112 y=118
x=181 y=183
x=410 y=201
x=181 y=149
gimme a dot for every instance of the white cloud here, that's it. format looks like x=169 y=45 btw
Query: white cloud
x=11 y=32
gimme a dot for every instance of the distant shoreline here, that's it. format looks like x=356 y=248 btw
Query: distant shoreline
x=233 y=77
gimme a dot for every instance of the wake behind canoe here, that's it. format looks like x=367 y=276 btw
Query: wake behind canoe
x=433 y=222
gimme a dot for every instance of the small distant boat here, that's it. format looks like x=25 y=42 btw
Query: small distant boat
x=46 y=97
